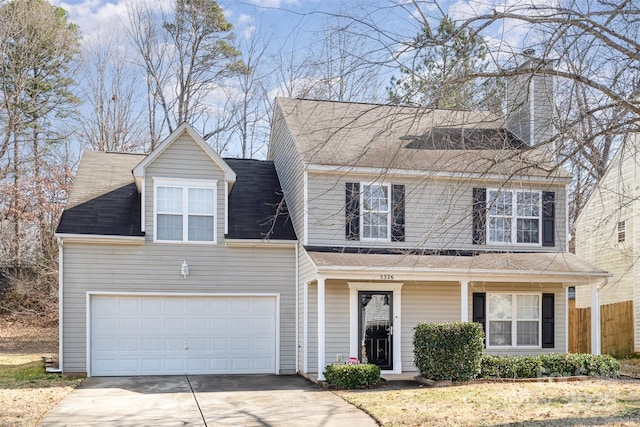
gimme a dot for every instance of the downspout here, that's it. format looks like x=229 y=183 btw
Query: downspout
x=297 y=283
x=60 y=318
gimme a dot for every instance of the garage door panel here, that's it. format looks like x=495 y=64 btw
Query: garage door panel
x=149 y=335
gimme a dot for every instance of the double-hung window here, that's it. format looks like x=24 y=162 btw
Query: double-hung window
x=376 y=211
x=185 y=211
x=514 y=320
x=513 y=216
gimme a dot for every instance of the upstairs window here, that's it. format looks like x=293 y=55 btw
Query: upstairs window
x=622 y=231
x=185 y=212
x=376 y=211
x=513 y=216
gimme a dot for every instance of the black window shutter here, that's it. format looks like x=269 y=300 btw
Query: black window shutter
x=479 y=215
x=479 y=310
x=397 y=213
x=352 y=211
x=548 y=218
x=548 y=321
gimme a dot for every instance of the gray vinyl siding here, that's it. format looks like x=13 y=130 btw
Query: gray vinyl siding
x=290 y=170
x=313 y=327
x=306 y=274
x=438 y=213
x=337 y=320
x=184 y=159
x=426 y=302
x=155 y=268
x=560 y=313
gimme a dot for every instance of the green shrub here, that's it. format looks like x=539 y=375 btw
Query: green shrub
x=548 y=365
x=353 y=376
x=448 y=351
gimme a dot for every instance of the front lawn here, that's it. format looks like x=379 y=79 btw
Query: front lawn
x=583 y=403
x=27 y=392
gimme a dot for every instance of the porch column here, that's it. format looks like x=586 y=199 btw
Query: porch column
x=464 y=301
x=595 y=318
x=321 y=329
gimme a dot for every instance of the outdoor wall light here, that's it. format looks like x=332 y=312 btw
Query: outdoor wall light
x=184 y=269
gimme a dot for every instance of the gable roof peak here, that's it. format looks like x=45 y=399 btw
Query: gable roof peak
x=139 y=170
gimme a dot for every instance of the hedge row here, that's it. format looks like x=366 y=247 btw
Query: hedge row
x=353 y=376
x=548 y=365
x=448 y=351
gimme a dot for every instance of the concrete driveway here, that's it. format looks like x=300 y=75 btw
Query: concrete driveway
x=204 y=400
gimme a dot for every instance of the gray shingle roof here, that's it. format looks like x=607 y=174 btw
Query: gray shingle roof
x=104 y=199
x=257 y=209
x=414 y=138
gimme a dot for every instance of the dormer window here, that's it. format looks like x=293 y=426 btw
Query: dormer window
x=185 y=211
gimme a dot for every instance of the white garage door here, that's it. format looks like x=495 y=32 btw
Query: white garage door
x=149 y=335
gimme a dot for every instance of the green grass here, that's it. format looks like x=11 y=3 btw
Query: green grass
x=21 y=369
x=25 y=372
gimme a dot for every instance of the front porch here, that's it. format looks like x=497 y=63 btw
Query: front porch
x=338 y=319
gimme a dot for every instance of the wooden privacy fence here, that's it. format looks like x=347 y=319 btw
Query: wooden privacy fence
x=616 y=328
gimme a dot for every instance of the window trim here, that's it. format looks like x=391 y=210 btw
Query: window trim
x=514 y=321
x=185 y=184
x=362 y=212
x=514 y=217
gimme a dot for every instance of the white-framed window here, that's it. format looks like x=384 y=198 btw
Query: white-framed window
x=514 y=320
x=184 y=211
x=513 y=216
x=622 y=231
x=375 y=218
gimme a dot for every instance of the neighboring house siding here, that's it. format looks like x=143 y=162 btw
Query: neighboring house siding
x=424 y=302
x=560 y=313
x=155 y=268
x=597 y=230
x=184 y=159
x=290 y=170
x=614 y=200
x=438 y=213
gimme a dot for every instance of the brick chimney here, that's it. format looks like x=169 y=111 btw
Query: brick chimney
x=530 y=101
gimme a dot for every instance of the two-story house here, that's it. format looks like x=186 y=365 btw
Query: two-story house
x=423 y=216
x=182 y=262
x=606 y=233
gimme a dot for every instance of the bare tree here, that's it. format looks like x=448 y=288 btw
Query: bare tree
x=252 y=121
x=185 y=52
x=111 y=88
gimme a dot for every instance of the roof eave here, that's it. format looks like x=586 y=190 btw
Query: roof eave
x=475 y=275
x=100 y=238
x=421 y=173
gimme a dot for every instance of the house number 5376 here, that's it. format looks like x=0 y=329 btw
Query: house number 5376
x=386 y=277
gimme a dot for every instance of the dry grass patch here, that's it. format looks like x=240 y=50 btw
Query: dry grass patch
x=630 y=366
x=27 y=392
x=584 y=403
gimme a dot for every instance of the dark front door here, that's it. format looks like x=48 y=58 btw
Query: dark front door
x=376 y=328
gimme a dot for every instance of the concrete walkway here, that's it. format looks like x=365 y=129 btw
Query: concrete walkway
x=204 y=400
